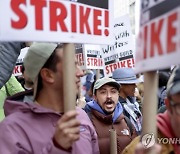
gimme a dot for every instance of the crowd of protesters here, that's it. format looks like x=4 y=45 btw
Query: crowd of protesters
x=33 y=120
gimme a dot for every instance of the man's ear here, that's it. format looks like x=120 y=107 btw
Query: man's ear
x=47 y=75
x=94 y=96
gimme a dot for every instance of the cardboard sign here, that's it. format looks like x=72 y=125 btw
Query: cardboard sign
x=121 y=53
x=93 y=59
x=158 y=44
x=56 y=21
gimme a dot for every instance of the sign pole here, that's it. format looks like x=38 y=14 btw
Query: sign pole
x=150 y=105
x=113 y=141
x=97 y=74
x=69 y=77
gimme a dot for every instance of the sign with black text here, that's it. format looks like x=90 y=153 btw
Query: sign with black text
x=93 y=58
x=121 y=53
x=158 y=43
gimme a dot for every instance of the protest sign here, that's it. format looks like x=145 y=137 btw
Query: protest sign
x=121 y=53
x=18 y=67
x=93 y=59
x=79 y=53
x=158 y=43
x=158 y=46
x=55 y=21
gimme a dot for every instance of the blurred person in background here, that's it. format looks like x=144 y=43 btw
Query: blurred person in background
x=89 y=80
x=11 y=87
x=127 y=79
x=163 y=79
x=168 y=123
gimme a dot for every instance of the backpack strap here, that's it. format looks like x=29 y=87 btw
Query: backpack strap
x=129 y=124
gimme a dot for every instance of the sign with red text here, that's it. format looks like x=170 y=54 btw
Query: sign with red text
x=79 y=53
x=158 y=43
x=18 y=67
x=56 y=21
x=121 y=53
x=93 y=59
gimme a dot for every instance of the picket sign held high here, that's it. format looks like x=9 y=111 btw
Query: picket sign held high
x=97 y=74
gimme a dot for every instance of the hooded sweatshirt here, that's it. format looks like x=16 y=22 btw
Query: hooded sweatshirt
x=103 y=123
x=164 y=127
x=29 y=129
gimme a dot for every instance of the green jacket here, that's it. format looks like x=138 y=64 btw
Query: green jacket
x=11 y=87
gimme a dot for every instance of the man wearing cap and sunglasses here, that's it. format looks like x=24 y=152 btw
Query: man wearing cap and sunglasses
x=41 y=127
x=106 y=112
x=127 y=80
x=168 y=123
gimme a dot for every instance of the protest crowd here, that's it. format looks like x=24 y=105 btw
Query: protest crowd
x=108 y=114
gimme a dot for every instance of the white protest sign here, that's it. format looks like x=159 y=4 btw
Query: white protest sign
x=158 y=43
x=56 y=21
x=18 y=68
x=121 y=53
x=93 y=59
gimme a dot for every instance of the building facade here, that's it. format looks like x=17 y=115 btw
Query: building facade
x=122 y=7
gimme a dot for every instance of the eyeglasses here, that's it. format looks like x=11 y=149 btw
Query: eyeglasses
x=176 y=107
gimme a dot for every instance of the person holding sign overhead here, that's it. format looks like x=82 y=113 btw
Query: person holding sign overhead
x=53 y=131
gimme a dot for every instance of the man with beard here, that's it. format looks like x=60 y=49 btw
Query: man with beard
x=106 y=112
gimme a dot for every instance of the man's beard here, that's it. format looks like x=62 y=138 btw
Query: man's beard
x=109 y=101
x=108 y=112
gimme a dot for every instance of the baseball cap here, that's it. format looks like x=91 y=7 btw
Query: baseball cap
x=173 y=85
x=125 y=76
x=36 y=57
x=100 y=82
